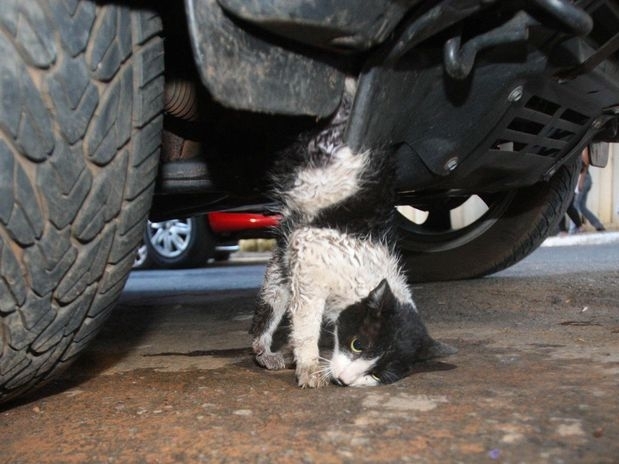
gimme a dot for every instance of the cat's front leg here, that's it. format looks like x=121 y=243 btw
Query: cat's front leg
x=306 y=323
x=312 y=376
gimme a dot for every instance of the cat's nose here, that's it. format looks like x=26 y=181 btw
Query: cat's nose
x=338 y=381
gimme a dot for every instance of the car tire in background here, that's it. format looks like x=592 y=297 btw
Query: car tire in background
x=141 y=258
x=81 y=97
x=515 y=224
x=178 y=243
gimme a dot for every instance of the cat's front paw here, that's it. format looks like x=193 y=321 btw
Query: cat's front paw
x=312 y=376
x=272 y=361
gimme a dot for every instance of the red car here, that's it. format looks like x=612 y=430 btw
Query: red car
x=192 y=241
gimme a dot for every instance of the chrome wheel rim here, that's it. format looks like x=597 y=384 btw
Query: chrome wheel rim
x=170 y=239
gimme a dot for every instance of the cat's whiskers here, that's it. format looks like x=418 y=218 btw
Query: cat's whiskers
x=325 y=375
x=330 y=332
x=324 y=372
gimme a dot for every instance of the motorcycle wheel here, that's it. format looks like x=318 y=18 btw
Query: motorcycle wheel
x=514 y=224
x=81 y=86
x=179 y=243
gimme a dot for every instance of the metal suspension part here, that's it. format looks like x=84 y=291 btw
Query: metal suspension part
x=459 y=59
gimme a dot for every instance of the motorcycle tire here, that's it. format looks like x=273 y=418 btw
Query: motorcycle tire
x=514 y=225
x=81 y=98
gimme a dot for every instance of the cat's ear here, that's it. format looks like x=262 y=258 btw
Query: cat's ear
x=435 y=349
x=380 y=298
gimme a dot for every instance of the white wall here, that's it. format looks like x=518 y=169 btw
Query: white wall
x=604 y=196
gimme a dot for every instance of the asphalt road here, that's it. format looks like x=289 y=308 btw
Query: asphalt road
x=170 y=378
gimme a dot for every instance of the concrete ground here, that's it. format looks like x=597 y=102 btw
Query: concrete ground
x=171 y=379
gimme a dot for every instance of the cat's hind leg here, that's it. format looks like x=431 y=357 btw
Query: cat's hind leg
x=272 y=304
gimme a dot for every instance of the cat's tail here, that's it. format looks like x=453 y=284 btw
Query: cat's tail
x=317 y=186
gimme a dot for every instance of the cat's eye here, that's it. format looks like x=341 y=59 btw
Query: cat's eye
x=375 y=377
x=356 y=346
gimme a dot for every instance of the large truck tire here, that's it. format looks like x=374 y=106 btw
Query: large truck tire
x=515 y=225
x=81 y=97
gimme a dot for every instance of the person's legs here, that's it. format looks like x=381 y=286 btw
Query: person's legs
x=581 y=205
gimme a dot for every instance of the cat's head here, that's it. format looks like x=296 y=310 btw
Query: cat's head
x=379 y=339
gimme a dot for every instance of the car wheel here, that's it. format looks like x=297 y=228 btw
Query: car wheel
x=514 y=224
x=179 y=243
x=81 y=88
x=142 y=260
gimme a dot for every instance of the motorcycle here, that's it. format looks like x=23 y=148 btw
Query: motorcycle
x=114 y=112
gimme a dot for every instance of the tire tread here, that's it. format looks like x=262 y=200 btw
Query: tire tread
x=77 y=168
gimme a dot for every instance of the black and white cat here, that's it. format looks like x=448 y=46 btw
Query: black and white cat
x=335 y=263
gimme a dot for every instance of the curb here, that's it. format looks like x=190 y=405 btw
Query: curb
x=250 y=256
x=583 y=238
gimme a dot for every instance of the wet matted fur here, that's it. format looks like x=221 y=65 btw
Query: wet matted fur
x=336 y=264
